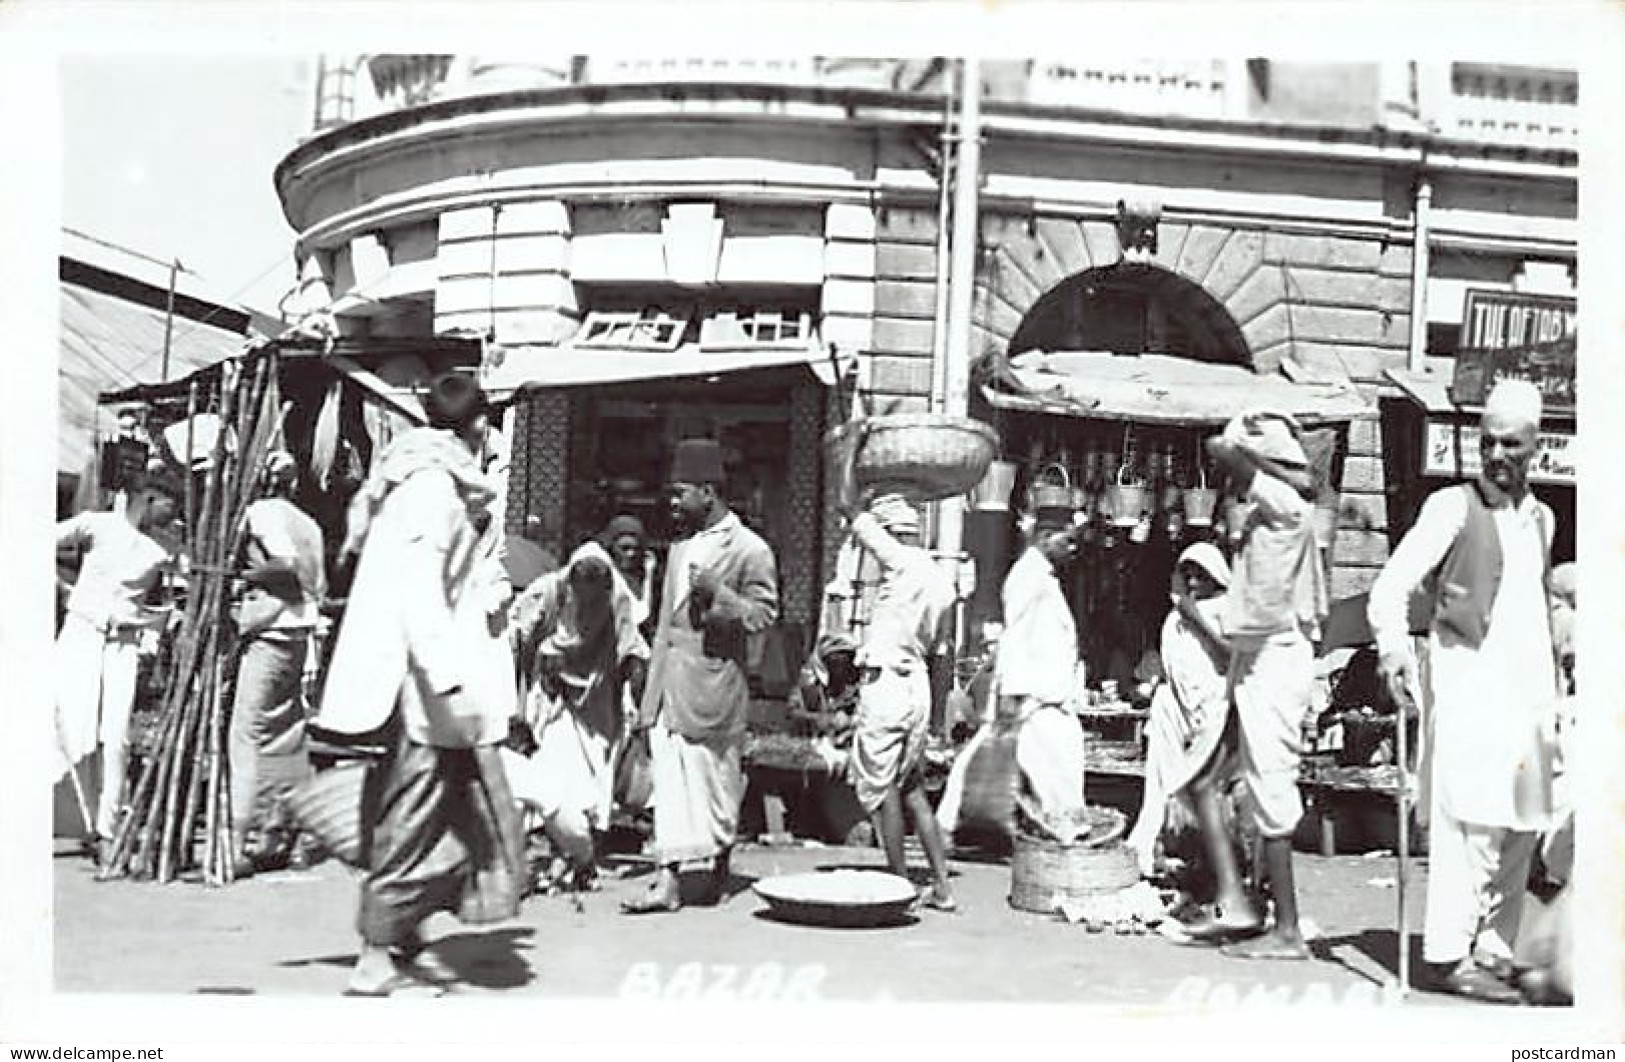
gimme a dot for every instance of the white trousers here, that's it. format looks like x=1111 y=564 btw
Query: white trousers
x=1476 y=882
x=1051 y=754
x=95 y=692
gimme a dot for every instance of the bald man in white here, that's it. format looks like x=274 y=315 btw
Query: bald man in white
x=1487 y=546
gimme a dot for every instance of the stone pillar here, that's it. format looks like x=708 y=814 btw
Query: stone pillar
x=506 y=267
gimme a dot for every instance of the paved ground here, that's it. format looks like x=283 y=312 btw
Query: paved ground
x=290 y=933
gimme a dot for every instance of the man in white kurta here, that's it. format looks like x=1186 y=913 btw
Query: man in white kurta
x=1036 y=672
x=1489 y=792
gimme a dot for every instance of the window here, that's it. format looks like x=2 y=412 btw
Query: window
x=742 y=327
x=648 y=329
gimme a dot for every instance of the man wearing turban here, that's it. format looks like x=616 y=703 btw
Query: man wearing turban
x=1485 y=546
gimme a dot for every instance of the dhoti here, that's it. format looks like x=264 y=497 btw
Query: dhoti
x=444 y=836
x=698 y=787
x=267 y=738
x=889 y=742
x=1051 y=755
x=1271 y=686
x=95 y=692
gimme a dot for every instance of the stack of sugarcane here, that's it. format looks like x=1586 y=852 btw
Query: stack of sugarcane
x=182 y=794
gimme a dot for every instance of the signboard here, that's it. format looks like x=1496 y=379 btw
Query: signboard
x=1452 y=450
x=1508 y=335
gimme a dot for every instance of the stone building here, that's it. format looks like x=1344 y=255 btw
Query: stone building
x=659 y=247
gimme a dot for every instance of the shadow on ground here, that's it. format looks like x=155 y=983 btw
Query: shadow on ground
x=482 y=959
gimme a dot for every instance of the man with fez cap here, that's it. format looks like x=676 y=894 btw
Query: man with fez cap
x=721 y=587
x=910 y=622
x=1484 y=547
x=1271 y=619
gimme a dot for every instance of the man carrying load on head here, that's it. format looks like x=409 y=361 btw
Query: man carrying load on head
x=907 y=628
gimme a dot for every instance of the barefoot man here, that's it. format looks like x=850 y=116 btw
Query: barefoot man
x=907 y=626
x=1272 y=615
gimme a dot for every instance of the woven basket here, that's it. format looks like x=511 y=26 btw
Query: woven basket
x=924 y=456
x=329 y=807
x=1045 y=873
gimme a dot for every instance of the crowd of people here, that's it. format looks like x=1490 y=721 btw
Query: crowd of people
x=500 y=711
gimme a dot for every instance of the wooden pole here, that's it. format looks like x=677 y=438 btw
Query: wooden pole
x=169 y=317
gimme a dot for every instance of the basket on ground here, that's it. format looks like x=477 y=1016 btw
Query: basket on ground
x=925 y=456
x=1044 y=873
x=328 y=806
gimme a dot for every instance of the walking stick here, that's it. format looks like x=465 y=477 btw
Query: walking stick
x=1403 y=799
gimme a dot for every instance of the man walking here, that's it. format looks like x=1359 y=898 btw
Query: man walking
x=907 y=626
x=276 y=620
x=1485 y=545
x=440 y=828
x=1271 y=619
x=721 y=587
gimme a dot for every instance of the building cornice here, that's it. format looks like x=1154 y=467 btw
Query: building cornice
x=595 y=106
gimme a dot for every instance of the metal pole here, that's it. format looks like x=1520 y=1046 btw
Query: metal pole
x=962 y=280
x=169 y=317
x=939 y=330
x=1422 y=219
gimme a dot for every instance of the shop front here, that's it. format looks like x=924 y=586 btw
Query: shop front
x=1431 y=437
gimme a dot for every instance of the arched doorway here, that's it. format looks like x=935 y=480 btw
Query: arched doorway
x=1131 y=308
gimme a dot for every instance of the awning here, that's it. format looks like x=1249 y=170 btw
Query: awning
x=568 y=365
x=1430 y=389
x=1164 y=389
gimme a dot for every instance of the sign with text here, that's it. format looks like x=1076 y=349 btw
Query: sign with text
x=1509 y=335
x=1452 y=450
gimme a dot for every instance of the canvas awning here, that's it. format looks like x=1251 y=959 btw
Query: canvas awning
x=570 y=365
x=1430 y=389
x=1164 y=389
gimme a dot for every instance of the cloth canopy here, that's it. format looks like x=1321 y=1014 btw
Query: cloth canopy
x=1164 y=389
x=569 y=365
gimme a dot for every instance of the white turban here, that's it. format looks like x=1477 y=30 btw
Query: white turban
x=1517 y=401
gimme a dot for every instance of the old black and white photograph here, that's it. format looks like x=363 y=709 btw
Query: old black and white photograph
x=730 y=525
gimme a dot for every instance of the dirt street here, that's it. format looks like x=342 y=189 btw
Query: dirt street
x=291 y=933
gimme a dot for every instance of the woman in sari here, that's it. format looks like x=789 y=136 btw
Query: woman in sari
x=1189 y=710
x=579 y=643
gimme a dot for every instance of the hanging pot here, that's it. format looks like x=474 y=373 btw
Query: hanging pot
x=1046 y=495
x=1200 y=500
x=1126 y=499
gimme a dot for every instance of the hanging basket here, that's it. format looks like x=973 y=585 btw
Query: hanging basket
x=923 y=456
x=1126 y=499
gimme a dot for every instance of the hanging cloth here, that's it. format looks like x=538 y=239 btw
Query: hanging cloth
x=324 y=443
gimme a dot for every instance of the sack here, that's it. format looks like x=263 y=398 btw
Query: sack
x=328 y=806
x=992 y=783
x=634 y=775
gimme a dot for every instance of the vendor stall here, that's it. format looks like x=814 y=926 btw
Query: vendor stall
x=1119 y=438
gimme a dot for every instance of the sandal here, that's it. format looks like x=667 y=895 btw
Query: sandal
x=932 y=900
x=399 y=983
x=652 y=902
x=1267 y=948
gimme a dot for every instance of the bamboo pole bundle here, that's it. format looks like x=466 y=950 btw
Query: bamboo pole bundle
x=183 y=796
